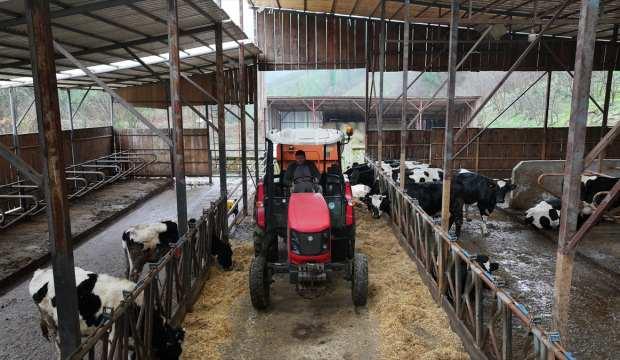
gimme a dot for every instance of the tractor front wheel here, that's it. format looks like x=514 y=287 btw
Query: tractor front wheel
x=359 y=288
x=260 y=282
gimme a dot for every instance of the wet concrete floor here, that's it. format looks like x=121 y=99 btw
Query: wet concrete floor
x=527 y=266
x=20 y=335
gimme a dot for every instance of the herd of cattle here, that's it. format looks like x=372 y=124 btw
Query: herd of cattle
x=425 y=184
x=141 y=244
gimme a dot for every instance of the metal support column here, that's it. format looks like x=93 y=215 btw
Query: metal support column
x=544 y=155
x=448 y=133
x=242 y=97
x=209 y=158
x=70 y=112
x=382 y=44
x=255 y=99
x=50 y=140
x=403 y=125
x=574 y=163
x=610 y=79
x=15 y=133
x=221 y=122
x=112 y=123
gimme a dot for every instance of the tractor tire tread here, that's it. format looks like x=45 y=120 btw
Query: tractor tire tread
x=359 y=288
x=259 y=283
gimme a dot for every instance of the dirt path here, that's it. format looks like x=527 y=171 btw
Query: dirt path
x=401 y=320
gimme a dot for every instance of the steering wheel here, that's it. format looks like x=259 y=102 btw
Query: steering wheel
x=303 y=179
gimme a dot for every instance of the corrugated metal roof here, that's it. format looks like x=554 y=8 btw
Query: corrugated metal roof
x=96 y=32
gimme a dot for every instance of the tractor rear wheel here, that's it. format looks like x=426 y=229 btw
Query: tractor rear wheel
x=359 y=278
x=260 y=282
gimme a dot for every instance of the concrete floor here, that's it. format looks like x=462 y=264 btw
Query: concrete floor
x=25 y=245
x=527 y=266
x=20 y=335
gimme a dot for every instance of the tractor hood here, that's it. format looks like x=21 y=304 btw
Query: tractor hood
x=308 y=213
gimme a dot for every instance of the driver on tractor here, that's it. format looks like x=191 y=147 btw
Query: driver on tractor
x=302 y=174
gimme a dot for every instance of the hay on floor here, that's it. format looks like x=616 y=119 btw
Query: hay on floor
x=209 y=327
x=411 y=324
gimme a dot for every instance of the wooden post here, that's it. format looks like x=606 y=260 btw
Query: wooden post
x=574 y=163
x=610 y=79
x=403 y=125
x=177 y=115
x=449 y=130
x=221 y=124
x=544 y=154
x=50 y=140
x=382 y=44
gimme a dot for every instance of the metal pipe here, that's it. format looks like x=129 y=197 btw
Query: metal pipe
x=256 y=164
x=544 y=154
x=381 y=71
x=50 y=140
x=486 y=127
x=241 y=94
x=403 y=125
x=15 y=130
x=514 y=66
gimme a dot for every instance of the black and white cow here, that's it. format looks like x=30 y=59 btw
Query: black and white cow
x=96 y=292
x=466 y=281
x=471 y=188
x=593 y=190
x=426 y=174
x=504 y=187
x=545 y=214
x=147 y=243
x=378 y=204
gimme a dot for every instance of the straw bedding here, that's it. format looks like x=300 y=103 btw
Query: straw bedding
x=408 y=322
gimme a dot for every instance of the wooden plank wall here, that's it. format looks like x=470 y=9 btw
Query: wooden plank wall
x=145 y=141
x=296 y=40
x=494 y=153
x=154 y=95
x=88 y=144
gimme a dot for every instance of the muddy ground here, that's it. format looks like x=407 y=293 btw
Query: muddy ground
x=527 y=267
x=401 y=320
x=20 y=335
x=26 y=243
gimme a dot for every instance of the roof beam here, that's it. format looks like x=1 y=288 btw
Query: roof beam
x=91 y=6
x=118 y=46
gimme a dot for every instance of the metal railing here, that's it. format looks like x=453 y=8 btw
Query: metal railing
x=21 y=198
x=490 y=322
x=171 y=287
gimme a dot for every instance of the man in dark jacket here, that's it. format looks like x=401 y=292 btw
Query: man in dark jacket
x=302 y=174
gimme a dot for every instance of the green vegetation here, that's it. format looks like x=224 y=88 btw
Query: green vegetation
x=526 y=112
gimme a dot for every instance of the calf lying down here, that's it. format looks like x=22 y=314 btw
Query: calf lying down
x=95 y=292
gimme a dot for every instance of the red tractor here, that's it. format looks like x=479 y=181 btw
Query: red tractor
x=316 y=228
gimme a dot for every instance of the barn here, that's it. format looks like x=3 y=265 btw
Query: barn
x=243 y=179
